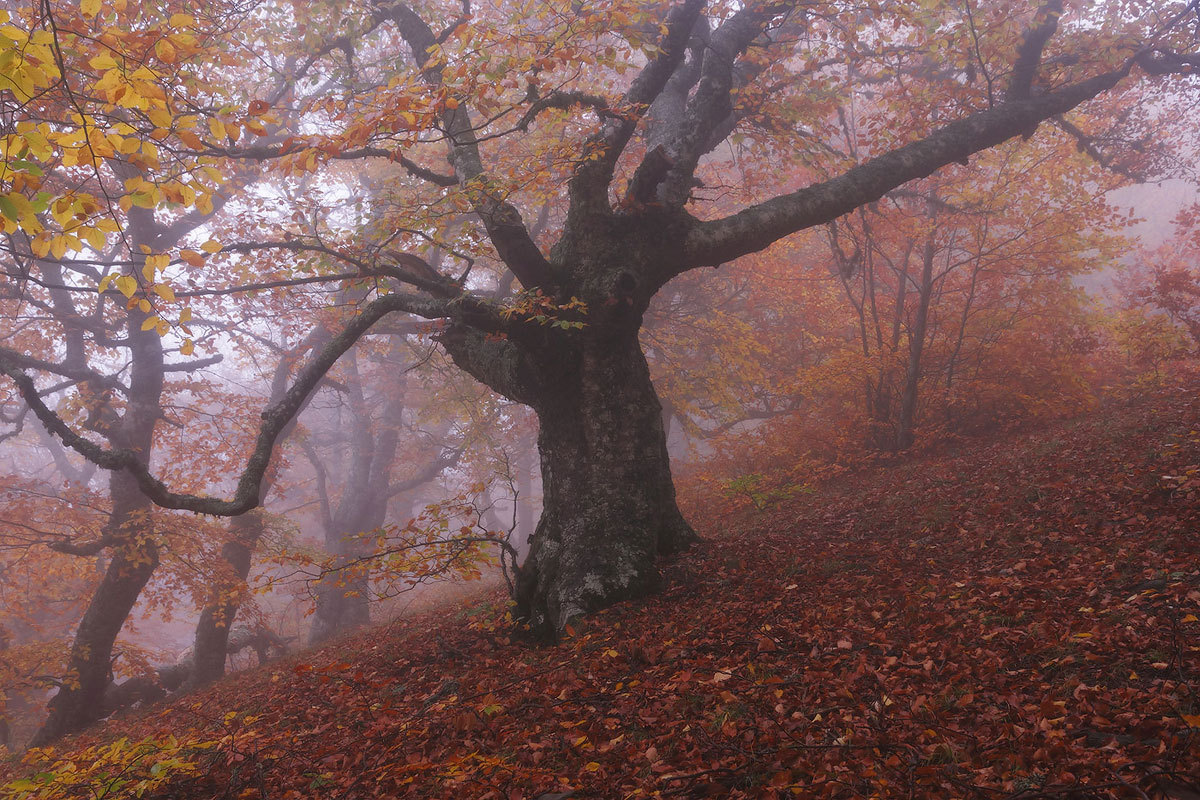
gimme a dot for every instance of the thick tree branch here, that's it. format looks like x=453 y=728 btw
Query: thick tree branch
x=562 y=101
x=713 y=243
x=502 y=220
x=1029 y=54
x=85 y=549
x=712 y=102
x=501 y=364
x=588 y=187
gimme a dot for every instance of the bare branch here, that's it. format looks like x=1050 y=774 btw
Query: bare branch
x=10 y=357
x=502 y=220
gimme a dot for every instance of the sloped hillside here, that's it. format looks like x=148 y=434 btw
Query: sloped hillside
x=1017 y=621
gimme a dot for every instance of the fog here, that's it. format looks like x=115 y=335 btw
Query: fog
x=315 y=319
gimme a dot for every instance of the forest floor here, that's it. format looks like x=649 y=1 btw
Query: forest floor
x=1016 y=621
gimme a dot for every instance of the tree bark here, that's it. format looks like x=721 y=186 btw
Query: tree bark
x=916 y=348
x=212 y=631
x=609 y=504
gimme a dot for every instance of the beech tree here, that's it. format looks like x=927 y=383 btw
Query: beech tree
x=611 y=116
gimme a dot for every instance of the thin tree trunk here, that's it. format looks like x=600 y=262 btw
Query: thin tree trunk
x=211 y=645
x=80 y=700
x=212 y=631
x=916 y=347
x=343 y=595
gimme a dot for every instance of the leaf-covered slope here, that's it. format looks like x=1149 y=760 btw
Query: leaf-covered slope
x=1017 y=621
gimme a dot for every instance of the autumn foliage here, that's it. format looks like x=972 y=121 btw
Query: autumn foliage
x=1017 y=620
x=309 y=305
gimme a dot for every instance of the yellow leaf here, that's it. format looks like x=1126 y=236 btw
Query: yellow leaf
x=159 y=116
x=185 y=315
x=127 y=285
x=1190 y=618
x=104 y=61
x=165 y=292
x=165 y=51
x=148 y=270
x=104 y=282
x=211 y=246
x=187 y=347
x=89 y=8
x=181 y=20
x=93 y=237
x=217 y=128
x=149 y=323
x=144 y=306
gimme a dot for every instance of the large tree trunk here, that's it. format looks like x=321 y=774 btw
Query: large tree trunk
x=608 y=500
x=342 y=601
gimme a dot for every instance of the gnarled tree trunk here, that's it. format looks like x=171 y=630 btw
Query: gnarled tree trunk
x=609 y=503
x=608 y=506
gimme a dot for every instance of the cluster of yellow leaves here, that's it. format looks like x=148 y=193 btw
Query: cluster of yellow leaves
x=119 y=769
x=118 y=102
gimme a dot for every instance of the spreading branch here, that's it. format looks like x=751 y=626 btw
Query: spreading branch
x=757 y=227
x=275 y=419
x=588 y=186
x=1029 y=54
